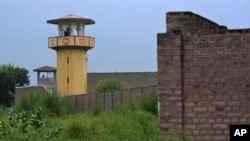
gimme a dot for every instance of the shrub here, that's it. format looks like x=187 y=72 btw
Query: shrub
x=75 y=129
x=2 y=130
x=27 y=127
x=109 y=85
x=150 y=104
x=79 y=129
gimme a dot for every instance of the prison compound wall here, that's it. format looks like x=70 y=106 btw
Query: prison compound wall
x=128 y=79
x=203 y=77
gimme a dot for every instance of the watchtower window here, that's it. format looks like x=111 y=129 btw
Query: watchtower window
x=43 y=75
x=67 y=31
x=46 y=75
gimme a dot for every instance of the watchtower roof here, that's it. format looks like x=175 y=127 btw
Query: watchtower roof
x=45 y=69
x=71 y=18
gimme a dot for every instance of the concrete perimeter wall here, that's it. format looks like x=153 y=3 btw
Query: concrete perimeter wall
x=136 y=85
x=23 y=91
x=203 y=77
x=86 y=102
x=129 y=79
x=110 y=100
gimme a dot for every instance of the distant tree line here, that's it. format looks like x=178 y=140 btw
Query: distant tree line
x=11 y=77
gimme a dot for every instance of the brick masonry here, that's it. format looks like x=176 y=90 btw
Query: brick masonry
x=203 y=77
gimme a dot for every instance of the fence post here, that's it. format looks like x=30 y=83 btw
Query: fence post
x=112 y=100
x=82 y=104
x=75 y=102
x=141 y=93
x=131 y=90
x=154 y=88
x=104 y=101
x=121 y=96
x=89 y=103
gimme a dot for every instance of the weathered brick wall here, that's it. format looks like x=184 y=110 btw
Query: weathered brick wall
x=188 y=21
x=203 y=78
x=169 y=82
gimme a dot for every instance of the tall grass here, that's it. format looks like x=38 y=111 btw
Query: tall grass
x=130 y=122
x=130 y=105
x=149 y=104
x=113 y=126
x=2 y=110
x=96 y=109
x=52 y=104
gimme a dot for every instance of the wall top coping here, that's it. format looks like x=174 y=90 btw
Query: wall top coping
x=191 y=14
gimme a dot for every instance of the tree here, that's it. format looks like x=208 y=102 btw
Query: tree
x=108 y=85
x=10 y=77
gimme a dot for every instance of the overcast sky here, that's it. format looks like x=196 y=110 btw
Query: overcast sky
x=125 y=30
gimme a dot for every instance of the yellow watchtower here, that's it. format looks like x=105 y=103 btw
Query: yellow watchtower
x=71 y=52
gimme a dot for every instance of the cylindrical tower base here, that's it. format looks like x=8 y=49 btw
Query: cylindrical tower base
x=71 y=71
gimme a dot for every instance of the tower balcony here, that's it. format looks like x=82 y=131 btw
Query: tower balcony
x=84 y=42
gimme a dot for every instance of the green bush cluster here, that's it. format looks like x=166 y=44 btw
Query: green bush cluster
x=26 y=127
x=109 y=85
x=80 y=127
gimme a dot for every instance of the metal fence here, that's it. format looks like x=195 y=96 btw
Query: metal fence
x=111 y=100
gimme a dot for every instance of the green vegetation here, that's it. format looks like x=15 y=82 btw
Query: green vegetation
x=26 y=127
x=10 y=77
x=133 y=125
x=49 y=117
x=150 y=104
x=51 y=104
x=109 y=85
x=96 y=109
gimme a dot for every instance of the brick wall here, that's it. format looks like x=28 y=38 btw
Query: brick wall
x=188 y=21
x=203 y=77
